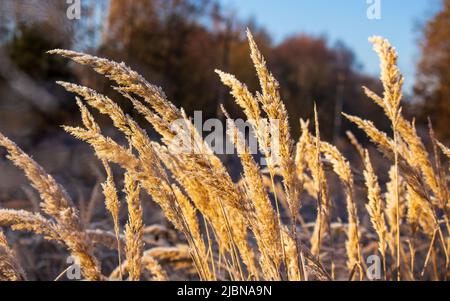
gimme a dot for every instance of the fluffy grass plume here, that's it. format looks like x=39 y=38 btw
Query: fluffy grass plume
x=251 y=229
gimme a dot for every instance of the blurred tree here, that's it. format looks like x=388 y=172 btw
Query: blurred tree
x=433 y=82
x=30 y=102
x=27 y=50
x=48 y=16
x=165 y=41
x=177 y=44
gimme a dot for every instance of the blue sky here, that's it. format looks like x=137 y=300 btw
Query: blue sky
x=345 y=20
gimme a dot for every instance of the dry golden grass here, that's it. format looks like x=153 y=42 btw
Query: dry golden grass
x=10 y=269
x=253 y=229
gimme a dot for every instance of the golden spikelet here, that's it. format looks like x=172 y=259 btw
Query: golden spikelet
x=375 y=206
x=391 y=77
x=105 y=148
x=107 y=239
x=190 y=217
x=444 y=149
x=197 y=192
x=242 y=96
x=154 y=267
x=109 y=189
x=128 y=80
x=294 y=273
x=276 y=111
x=342 y=168
x=323 y=202
x=54 y=196
x=21 y=220
x=420 y=213
x=302 y=145
x=193 y=233
x=415 y=154
x=394 y=210
x=311 y=154
x=153 y=179
x=133 y=231
x=10 y=269
x=57 y=204
x=265 y=225
x=112 y=204
x=392 y=81
x=379 y=138
x=351 y=137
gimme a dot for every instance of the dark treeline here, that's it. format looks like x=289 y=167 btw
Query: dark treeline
x=175 y=44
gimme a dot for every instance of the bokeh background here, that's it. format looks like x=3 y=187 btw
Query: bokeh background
x=318 y=50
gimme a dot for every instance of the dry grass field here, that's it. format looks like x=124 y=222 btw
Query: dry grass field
x=251 y=229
